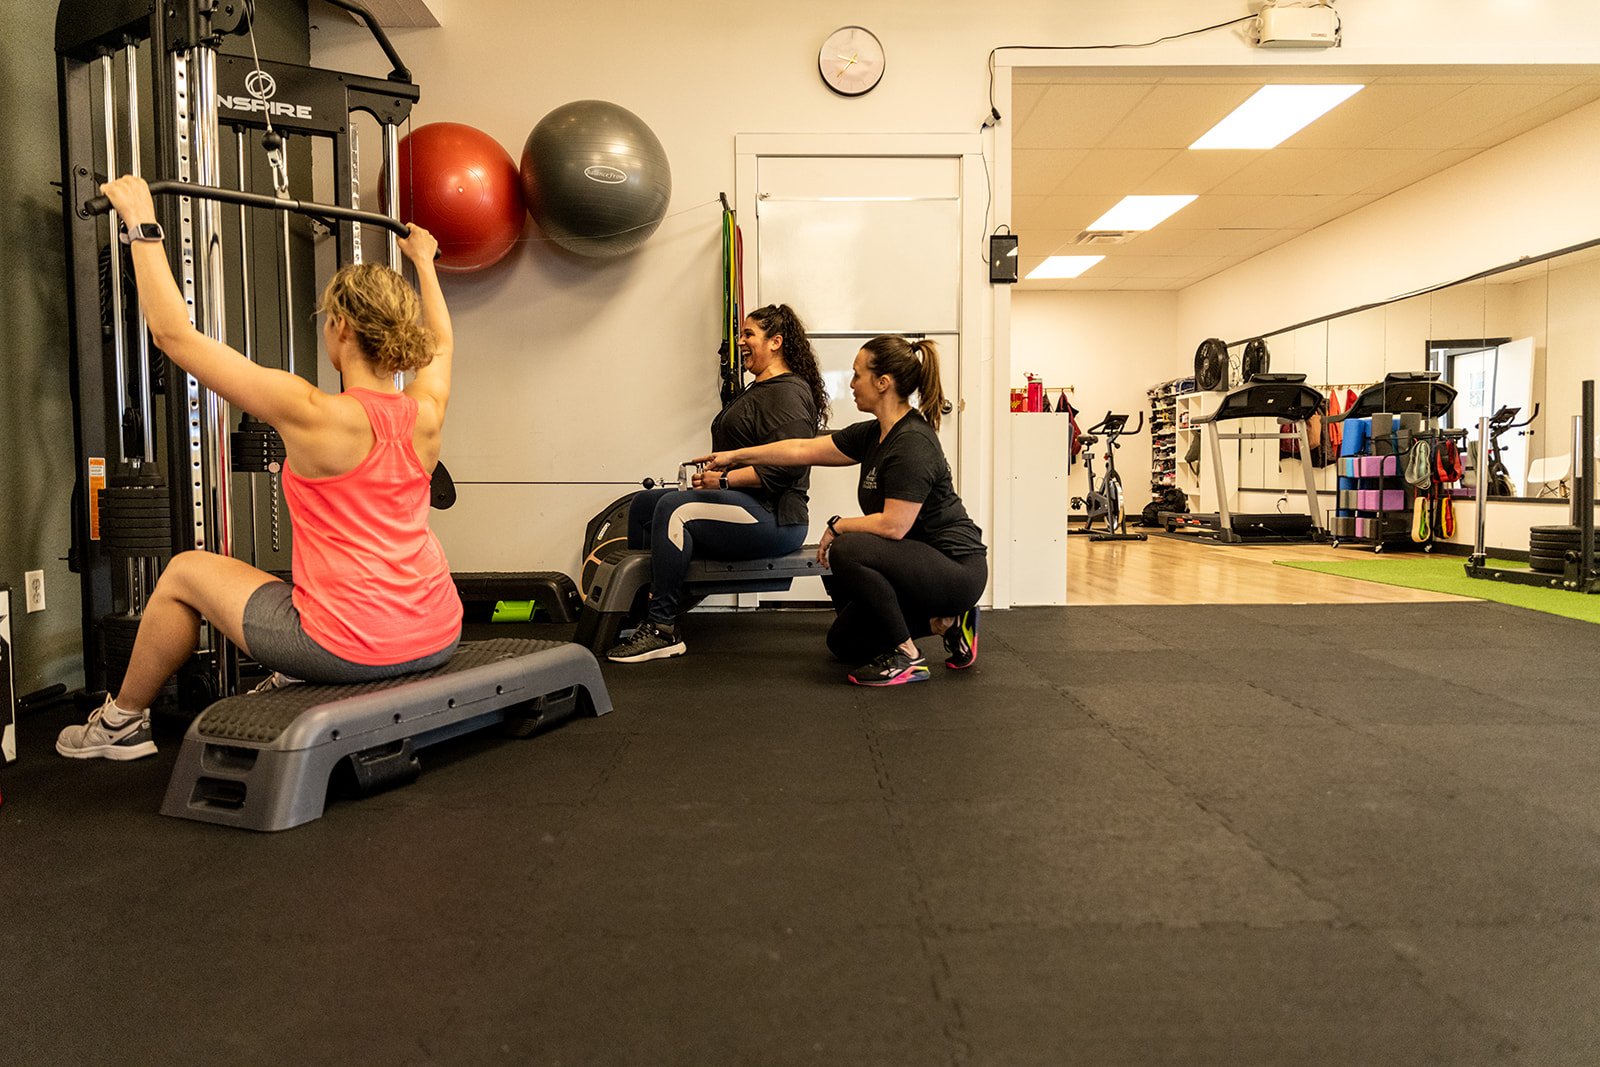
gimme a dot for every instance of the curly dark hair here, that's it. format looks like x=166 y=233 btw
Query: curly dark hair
x=780 y=320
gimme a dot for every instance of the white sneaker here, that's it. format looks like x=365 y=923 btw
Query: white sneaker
x=95 y=740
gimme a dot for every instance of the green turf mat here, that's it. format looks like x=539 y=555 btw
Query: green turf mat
x=1445 y=574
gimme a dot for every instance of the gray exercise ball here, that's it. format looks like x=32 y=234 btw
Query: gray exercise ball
x=595 y=178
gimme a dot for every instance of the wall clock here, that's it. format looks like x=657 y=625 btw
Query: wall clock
x=851 y=61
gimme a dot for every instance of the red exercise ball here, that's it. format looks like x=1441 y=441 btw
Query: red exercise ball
x=458 y=183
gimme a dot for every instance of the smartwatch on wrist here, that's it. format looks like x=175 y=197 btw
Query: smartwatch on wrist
x=832 y=527
x=145 y=231
x=724 y=479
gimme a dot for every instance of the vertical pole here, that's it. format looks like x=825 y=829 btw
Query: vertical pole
x=1586 y=496
x=391 y=199
x=288 y=276
x=1313 y=501
x=246 y=310
x=119 y=330
x=1224 y=515
x=1482 y=486
x=146 y=400
x=211 y=310
x=355 y=191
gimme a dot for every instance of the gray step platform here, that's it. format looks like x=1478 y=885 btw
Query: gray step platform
x=262 y=761
x=616 y=589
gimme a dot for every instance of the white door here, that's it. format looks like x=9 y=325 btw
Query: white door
x=859 y=246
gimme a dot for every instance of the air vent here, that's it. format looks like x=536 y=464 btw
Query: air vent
x=1104 y=237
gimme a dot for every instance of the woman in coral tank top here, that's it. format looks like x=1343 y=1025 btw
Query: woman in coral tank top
x=372 y=596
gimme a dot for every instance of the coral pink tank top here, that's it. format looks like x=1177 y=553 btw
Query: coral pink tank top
x=370 y=580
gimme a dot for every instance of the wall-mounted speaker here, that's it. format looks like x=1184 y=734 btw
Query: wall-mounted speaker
x=1003 y=258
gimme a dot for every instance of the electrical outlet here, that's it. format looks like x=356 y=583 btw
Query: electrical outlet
x=35 y=583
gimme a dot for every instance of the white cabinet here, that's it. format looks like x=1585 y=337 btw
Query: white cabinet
x=1038 y=501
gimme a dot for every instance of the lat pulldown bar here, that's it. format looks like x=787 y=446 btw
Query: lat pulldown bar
x=99 y=205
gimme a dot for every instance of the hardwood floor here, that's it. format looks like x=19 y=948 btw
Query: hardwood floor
x=1165 y=570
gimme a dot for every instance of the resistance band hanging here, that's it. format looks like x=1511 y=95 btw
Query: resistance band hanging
x=732 y=365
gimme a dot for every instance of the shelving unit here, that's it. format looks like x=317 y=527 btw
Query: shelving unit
x=1173 y=404
x=1374 y=502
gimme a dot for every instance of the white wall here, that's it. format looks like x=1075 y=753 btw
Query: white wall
x=576 y=378
x=1110 y=347
x=1532 y=195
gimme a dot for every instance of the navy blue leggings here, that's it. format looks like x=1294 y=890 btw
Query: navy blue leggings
x=677 y=525
x=886 y=591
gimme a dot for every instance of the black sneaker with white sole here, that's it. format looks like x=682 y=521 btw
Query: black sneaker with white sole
x=648 y=642
x=961 y=640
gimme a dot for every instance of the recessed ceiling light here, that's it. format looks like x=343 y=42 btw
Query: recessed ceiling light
x=1140 y=212
x=1274 y=113
x=1063 y=266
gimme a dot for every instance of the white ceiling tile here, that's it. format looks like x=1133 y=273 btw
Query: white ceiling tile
x=1174 y=116
x=1024 y=98
x=1062 y=213
x=1193 y=172
x=1372 y=113
x=1115 y=171
x=1465 y=119
x=1077 y=116
x=1216 y=210
x=1036 y=171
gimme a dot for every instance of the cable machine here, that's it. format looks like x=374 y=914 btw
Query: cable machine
x=144 y=88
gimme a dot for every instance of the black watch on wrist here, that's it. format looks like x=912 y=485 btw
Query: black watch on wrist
x=724 y=479
x=833 y=528
x=145 y=231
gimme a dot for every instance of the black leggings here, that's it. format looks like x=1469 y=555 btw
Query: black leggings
x=886 y=591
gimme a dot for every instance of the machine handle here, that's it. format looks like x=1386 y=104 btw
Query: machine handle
x=99 y=205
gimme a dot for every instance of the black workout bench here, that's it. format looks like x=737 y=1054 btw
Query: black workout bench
x=262 y=761
x=617 y=592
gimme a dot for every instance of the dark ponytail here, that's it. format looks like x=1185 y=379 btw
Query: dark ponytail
x=781 y=320
x=914 y=368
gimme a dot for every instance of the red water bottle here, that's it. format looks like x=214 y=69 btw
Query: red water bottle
x=1035 y=393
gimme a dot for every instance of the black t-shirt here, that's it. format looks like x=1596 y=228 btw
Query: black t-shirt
x=909 y=465
x=776 y=409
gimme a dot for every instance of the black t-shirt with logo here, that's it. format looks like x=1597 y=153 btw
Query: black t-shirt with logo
x=909 y=465
x=775 y=409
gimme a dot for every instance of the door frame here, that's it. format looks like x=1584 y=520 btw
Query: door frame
x=975 y=392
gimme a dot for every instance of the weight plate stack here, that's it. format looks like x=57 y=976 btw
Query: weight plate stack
x=116 y=640
x=255 y=447
x=136 y=517
x=1549 y=546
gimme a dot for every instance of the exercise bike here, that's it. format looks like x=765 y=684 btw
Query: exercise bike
x=1500 y=423
x=1105 y=503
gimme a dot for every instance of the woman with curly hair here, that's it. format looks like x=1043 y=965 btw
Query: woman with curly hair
x=748 y=512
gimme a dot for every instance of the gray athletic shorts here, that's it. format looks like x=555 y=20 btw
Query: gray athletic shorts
x=277 y=641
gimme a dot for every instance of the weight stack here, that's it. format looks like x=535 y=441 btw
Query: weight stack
x=136 y=517
x=117 y=633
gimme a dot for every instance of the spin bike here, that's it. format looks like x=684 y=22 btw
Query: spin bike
x=1500 y=423
x=1106 y=502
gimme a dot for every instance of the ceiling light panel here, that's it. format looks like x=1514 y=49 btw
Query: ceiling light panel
x=1273 y=114
x=1063 y=267
x=1141 y=212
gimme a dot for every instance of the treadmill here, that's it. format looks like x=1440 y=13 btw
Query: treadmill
x=1402 y=392
x=1264 y=396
